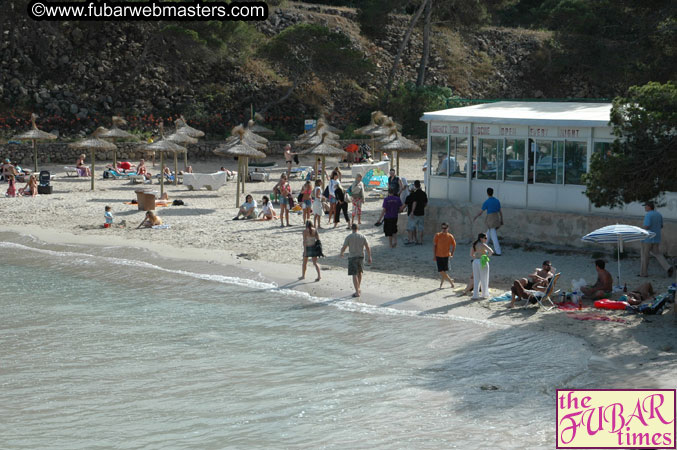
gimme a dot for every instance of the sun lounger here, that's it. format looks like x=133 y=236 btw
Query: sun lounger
x=211 y=181
x=72 y=171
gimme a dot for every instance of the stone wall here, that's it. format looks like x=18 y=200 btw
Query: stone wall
x=539 y=227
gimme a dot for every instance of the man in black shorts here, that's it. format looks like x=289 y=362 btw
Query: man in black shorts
x=392 y=206
x=537 y=281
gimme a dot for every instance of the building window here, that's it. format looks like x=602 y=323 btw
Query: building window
x=576 y=161
x=458 y=148
x=439 y=146
x=603 y=148
x=549 y=162
x=490 y=159
x=514 y=160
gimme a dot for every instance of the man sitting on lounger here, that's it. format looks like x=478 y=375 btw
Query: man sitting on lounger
x=537 y=281
x=604 y=285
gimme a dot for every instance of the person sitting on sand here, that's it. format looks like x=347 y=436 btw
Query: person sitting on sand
x=247 y=209
x=31 y=187
x=603 y=288
x=141 y=169
x=537 y=281
x=11 y=188
x=150 y=220
x=267 y=211
x=636 y=296
x=83 y=170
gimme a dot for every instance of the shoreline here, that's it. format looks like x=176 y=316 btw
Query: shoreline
x=655 y=361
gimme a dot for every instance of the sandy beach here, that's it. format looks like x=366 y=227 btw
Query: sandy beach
x=641 y=348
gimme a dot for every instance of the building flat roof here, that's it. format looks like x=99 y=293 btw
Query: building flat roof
x=528 y=113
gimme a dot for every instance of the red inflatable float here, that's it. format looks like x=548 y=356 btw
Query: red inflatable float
x=610 y=304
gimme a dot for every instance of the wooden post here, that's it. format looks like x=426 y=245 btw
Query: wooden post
x=185 y=160
x=35 y=156
x=92 y=150
x=162 y=174
x=115 y=158
x=176 y=169
x=324 y=170
x=237 y=187
x=244 y=173
x=398 y=163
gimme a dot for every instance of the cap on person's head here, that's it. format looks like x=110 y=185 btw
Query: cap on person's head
x=417 y=184
x=353 y=227
x=7 y=160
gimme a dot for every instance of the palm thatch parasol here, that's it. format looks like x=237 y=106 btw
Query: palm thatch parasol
x=34 y=134
x=259 y=129
x=382 y=128
x=183 y=126
x=325 y=148
x=165 y=146
x=376 y=117
x=315 y=136
x=178 y=137
x=395 y=142
x=243 y=151
x=116 y=133
x=323 y=120
x=93 y=144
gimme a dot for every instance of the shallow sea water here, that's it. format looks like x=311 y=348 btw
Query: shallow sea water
x=115 y=347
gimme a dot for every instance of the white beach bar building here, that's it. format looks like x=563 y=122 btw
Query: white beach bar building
x=533 y=154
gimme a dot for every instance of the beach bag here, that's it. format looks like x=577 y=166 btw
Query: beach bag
x=296 y=159
x=318 y=248
x=493 y=220
x=291 y=201
x=325 y=194
x=299 y=199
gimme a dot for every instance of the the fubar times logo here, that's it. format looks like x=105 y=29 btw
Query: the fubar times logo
x=616 y=418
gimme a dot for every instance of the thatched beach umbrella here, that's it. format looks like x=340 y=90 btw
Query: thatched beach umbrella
x=164 y=146
x=259 y=129
x=325 y=148
x=181 y=139
x=242 y=151
x=93 y=144
x=182 y=125
x=34 y=134
x=315 y=136
x=395 y=142
x=376 y=118
x=116 y=133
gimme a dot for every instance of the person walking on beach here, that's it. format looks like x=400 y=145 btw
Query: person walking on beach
x=356 y=243
x=444 y=246
x=653 y=221
x=285 y=200
x=341 y=205
x=494 y=218
x=357 y=194
x=333 y=181
x=480 y=252
x=394 y=182
x=288 y=158
x=392 y=206
x=418 y=200
x=318 y=212
x=310 y=250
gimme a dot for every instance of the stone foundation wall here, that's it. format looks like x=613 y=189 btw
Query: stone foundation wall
x=542 y=227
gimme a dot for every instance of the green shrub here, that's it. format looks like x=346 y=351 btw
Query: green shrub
x=408 y=103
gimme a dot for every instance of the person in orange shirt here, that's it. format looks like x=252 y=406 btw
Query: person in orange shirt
x=444 y=246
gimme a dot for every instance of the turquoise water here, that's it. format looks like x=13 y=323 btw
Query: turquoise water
x=118 y=348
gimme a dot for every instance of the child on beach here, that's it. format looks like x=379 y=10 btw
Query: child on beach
x=150 y=220
x=318 y=211
x=108 y=216
x=11 y=190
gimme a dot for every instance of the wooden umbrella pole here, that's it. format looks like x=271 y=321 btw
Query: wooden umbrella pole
x=162 y=175
x=176 y=169
x=185 y=161
x=92 y=169
x=237 y=188
x=398 y=163
x=35 y=156
x=115 y=159
x=324 y=170
x=244 y=173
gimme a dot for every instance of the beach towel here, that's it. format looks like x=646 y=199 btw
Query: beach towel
x=502 y=298
x=161 y=227
x=595 y=316
x=567 y=306
x=164 y=203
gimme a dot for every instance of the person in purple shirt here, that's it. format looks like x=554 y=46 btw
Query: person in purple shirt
x=392 y=206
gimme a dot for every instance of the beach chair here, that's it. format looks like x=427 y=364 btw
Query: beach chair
x=71 y=171
x=544 y=298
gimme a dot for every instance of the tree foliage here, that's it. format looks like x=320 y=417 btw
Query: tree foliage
x=642 y=162
x=408 y=103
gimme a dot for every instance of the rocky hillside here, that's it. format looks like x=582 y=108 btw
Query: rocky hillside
x=76 y=74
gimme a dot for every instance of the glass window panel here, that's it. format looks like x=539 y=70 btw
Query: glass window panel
x=576 y=163
x=439 y=146
x=603 y=148
x=549 y=162
x=514 y=160
x=460 y=152
x=487 y=159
